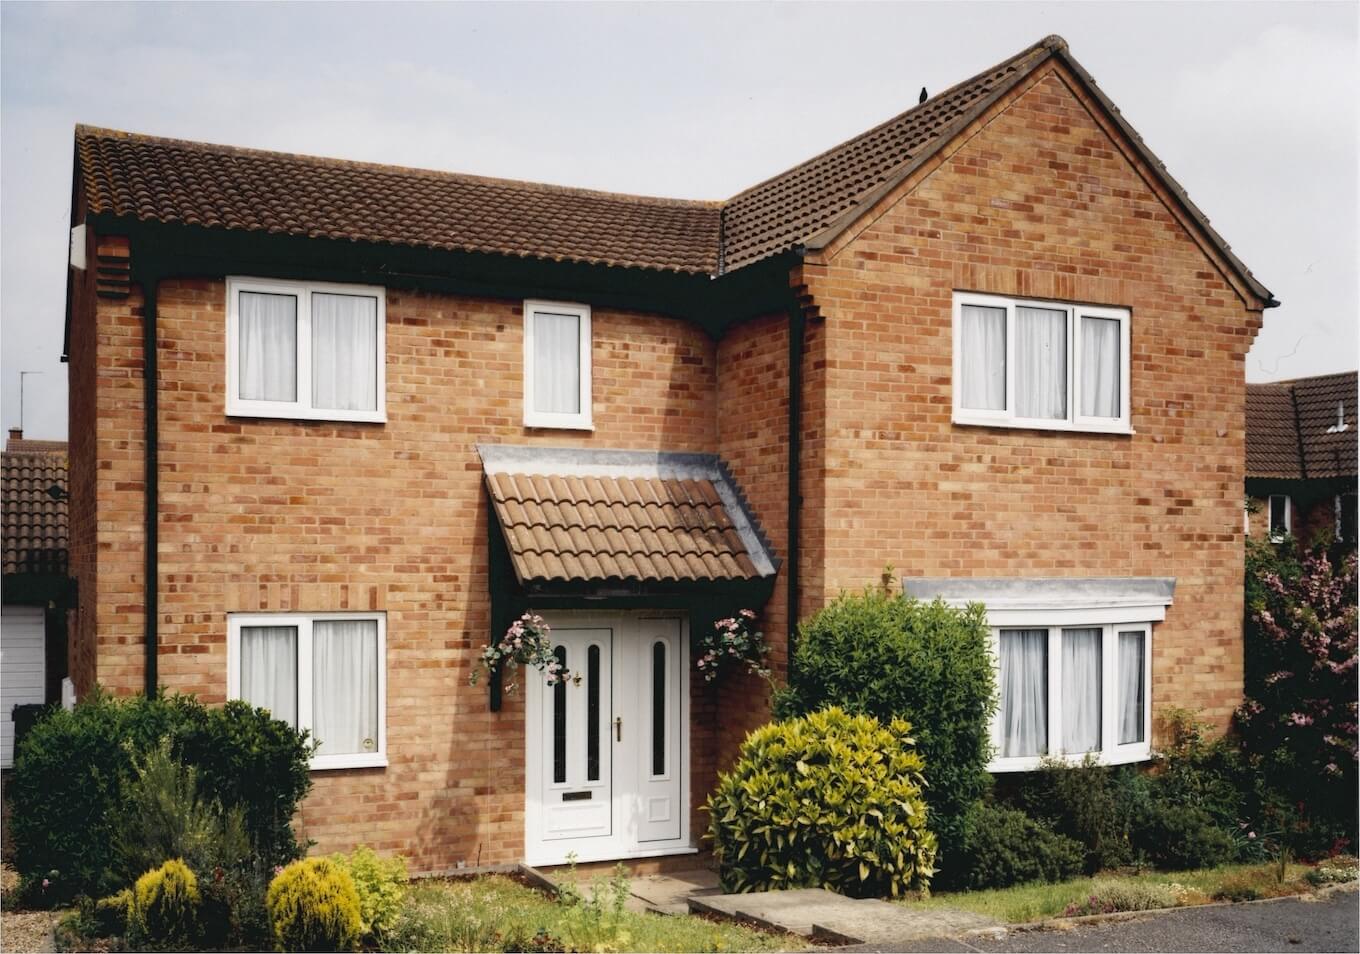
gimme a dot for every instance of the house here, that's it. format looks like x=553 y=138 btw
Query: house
x=37 y=588
x=1301 y=451
x=336 y=425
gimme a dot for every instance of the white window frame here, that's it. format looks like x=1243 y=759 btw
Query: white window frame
x=1075 y=421
x=304 y=623
x=301 y=409
x=1270 y=517
x=581 y=421
x=1111 y=752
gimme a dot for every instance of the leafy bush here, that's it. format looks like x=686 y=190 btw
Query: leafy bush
x=874 y=653
x=1109 y=897
x=1082 y=803
x=233 y=914
x=381 y=883
x=1177 y=838
x=313 y=906
x=71 y=770
x=1004 y=846
x=827 y=800
x=165 y=904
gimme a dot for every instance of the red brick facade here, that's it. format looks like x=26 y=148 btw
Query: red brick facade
x=1038 y=198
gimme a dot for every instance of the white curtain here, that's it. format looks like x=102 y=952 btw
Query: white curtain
x=345 y=352
x=345 y=686
x=557 y=363
x=269 y=670
x=268 y=332
x=1041 y=363
x=983 y=358
x=1099 y=367
x=1024 y=692
x=1081 y=690
x=1130 y=687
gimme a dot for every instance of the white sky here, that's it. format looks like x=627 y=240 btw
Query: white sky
x=1253 y=107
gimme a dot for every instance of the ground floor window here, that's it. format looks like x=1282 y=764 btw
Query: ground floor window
x=1281 y=520
x=322 y=672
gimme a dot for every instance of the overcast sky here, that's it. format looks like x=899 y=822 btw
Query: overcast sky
x=1253 y=107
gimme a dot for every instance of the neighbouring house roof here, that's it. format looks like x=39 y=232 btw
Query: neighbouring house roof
x=172 y=181
x=571 y=515
x=35 y=521
x=1303 y=429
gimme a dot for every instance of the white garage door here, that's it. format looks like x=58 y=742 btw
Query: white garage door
x=22 y=664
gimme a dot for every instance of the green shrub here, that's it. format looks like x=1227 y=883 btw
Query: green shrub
x=381 y=883
x=233 y=915
x=111 y=916
x=1110 y=897
x=313 y=906
x=827 y=800
x=71 y=769
x=887 y=656
x=165 y=904
x=1176 y=837
x=1004 y=846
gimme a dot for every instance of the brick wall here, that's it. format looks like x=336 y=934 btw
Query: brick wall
x=1039 y=200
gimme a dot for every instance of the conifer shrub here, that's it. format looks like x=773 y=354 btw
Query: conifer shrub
x=314 y=906
x=827 y=800
x=381 y=884
x=165 y=904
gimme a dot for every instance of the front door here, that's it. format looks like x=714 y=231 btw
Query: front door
x=607 y=772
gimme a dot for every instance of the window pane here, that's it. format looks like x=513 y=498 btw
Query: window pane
x=557 y=363
x=1279 y=515
x=1041 y=363
x=268 y=359
x=1346 y=518
x=345 y=686
x=269 y=670
x=658 y=708
x=593 y=714
x=560 y=720
x=1100 y=367
x=982 y=358
x=1131 y=687
x=1024 y=692
x=344 y=352
x=1081 y=690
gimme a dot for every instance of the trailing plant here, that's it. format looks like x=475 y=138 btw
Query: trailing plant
x=314 y=906
x=527 y=642
x=381 y=884
x=884 y=655
x=1004 y=846
x=733 y=642
x=827 y=800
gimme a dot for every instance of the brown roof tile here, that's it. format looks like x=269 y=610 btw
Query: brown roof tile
x=1292 y=430
x=627 y=519
x=35 y=524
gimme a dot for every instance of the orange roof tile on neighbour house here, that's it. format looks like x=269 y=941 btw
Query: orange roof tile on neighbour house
x=221 y=187
x=36 y=523
x=1303 y=429
x=599 y=516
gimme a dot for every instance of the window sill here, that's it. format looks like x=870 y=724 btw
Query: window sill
x=557 y=424
x=326 y=763
x=307 y=415
x=1123 y=755
x=1011 y=424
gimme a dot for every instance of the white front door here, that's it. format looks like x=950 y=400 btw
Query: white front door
x=608 y=760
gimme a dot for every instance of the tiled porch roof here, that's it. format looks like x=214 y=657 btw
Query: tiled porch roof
x=35 y=521
x=623 y=516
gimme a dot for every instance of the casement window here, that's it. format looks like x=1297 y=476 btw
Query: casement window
x=325 y=673
x=1279 y=508
x=1040 y=364
x=1346 y=517
x=1072 y=690
x=557 y=365
x=306 y=350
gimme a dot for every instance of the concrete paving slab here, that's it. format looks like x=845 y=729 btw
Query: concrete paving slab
x=670 y=893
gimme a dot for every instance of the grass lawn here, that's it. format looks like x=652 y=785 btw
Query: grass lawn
x=1035 y=902
x=497 y=913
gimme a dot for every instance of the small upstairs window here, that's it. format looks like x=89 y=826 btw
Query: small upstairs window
x=1281 y=520
x=305 y=351
x=557 y=365
x=1037 y=364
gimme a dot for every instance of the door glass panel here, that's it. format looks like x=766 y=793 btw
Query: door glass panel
x=658 y=708
x=560 y=720
x=593 y=714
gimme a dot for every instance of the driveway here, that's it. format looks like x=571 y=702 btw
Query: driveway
x=1331 y=923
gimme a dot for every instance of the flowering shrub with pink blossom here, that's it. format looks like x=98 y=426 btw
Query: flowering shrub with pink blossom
x=528 y=642
x=734 y=642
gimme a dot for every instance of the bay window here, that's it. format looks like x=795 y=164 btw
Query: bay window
x=1039 y=364
x=557 y=391
x=305 y=350
x=325 y=673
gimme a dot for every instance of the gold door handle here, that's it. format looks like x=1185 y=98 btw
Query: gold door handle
x=618 y=728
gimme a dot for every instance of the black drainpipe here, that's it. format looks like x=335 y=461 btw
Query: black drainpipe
x=149 y=283
x=796 y=329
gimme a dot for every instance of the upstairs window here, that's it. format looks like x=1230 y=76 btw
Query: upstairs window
x=305 y=351
x=1281 y=520
x=1038 y=364
x=557 y=365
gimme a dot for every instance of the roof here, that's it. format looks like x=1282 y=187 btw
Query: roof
x=589 y=516
x=1303 y=429
x=36 y=531
x=173 y=181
